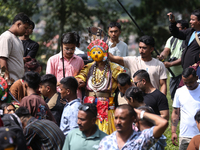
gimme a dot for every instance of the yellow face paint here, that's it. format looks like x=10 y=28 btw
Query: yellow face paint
x=97 y=54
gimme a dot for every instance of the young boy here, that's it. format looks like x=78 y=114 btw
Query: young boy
x=72 y=63
x=48 y=89
x=33 y=102
x=68 y=89
x=30 y=47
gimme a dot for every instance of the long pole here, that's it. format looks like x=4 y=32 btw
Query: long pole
x=143 y=33
x=63 y=61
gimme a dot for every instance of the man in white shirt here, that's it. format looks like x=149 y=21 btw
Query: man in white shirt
x=154 y=67
x=186 y=104
x=11 y=47
x=116 y=47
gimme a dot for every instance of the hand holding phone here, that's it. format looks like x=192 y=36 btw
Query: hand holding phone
x=170 y=17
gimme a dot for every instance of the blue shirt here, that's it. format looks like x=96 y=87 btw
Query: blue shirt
x=69 y=116
x=137 y=141
x=192 y=37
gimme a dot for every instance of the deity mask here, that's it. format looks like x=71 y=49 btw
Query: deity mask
x=97 y=50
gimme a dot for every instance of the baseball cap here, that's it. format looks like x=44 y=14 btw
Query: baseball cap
x=7 y=138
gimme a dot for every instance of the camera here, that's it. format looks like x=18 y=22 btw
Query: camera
x=172 y=59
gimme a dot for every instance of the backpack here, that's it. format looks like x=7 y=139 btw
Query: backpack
x=174 y=42
x=10 y=121
x=42 y=112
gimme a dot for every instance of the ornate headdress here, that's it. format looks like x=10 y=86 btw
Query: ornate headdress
x=98 y=44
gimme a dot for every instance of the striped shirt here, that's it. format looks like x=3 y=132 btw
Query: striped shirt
x=43 y=135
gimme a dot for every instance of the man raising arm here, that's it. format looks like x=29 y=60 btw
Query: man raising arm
x=154 y=67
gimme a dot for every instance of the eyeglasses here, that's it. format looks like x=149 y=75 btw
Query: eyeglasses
x=137 y=82
x=85 y=108
x=69 y=49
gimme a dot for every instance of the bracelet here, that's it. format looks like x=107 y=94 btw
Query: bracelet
x=142 y=114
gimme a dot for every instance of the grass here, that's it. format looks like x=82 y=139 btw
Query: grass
x=167 y=133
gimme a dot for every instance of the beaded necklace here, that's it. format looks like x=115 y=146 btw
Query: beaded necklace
x=94 y=78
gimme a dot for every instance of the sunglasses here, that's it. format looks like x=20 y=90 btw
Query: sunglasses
x=137 y=82
x=85 y=108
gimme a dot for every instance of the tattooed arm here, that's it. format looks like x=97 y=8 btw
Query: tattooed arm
x=175 y=120
x=160 y=123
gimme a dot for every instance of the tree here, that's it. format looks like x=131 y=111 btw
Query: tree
x=64 y=16
x=10 y=8
x=152 y=18
x=74 y=15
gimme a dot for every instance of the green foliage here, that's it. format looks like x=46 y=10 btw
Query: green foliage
x=62 y=16
x=152 y=18
x=167 y=133
x=9 y=8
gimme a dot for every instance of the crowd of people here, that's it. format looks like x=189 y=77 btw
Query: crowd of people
x=104 y=99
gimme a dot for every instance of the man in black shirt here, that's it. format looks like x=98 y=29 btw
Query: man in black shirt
x=30 y=47
x=48 y=89
x=191 y=54
x=152 y=96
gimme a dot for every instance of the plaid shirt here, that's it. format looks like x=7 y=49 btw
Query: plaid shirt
x=69 y=116
x=43 y=135
x=137 y=141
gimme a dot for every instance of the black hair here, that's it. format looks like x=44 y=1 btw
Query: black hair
x=114 y=24
x=68 y=38
x=22 y=17
x=77 y=39
x=189 y=71
x=135 y=93
x=92 y=109
x=49 y=80
x=148 y=40
x=142 y=74
x=32 y=23
x=184 y=23
x=32 y=78
x=22 y=112
x=149 y=110
x=197 y=116
x=196 y=13
x=5 y=105
x=129 y=108
x=70 y=83
x=123 y=79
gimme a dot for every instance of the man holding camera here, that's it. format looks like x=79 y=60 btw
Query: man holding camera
x=174 y=48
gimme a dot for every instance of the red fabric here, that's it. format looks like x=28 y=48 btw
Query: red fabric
x=102 y=110
x=102 y=107
x=89 y=99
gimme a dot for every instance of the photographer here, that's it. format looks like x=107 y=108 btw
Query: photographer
x=174 y=48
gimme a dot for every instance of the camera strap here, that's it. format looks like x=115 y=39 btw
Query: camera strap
x=173 y=43
x=197 y=38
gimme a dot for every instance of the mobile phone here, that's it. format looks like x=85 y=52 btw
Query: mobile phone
x=170 y=16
